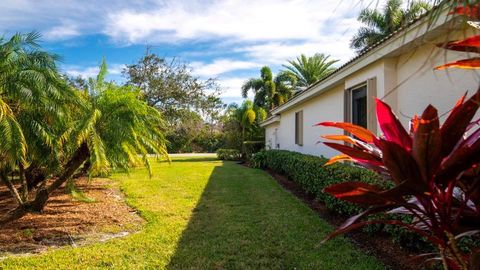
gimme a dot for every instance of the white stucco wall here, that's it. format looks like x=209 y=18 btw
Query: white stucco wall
x=270 y=138
x=325 y=107
x=420 y=85
x=407 y=82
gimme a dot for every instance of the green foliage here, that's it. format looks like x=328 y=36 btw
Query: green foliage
x=309 y=70
x=311 y=174
x=380 y=24
x=208 y=214
x=228 y=154
x=270 y=91
x=252 y=147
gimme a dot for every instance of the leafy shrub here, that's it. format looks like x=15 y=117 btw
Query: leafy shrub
x=252 y=147
x=259 y=160
x=435 y=177
x=228 y=154
x=311 y=174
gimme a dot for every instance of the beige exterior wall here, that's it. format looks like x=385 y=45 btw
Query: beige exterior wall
x=326 y=107
x=419 y=85
x=407 y=82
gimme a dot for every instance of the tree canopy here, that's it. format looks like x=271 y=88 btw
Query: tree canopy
x=381 y=23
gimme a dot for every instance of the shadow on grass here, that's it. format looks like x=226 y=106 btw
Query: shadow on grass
x=245 y=220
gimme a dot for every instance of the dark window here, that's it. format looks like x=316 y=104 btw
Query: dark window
x=299 y=128
x=359 y=106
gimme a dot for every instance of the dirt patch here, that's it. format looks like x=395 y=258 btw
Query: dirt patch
x=380 y=246
x=67 y=221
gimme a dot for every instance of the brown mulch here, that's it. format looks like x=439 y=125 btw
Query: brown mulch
x=66 y=221
x=380 y=246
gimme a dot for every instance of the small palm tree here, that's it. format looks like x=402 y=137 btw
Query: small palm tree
x=269 y=91
x=112 y=128
x=33 y=110
x=380 y=24
x=249 y=116
x=309 y=70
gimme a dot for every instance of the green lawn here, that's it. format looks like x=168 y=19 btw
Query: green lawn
x=207 y=214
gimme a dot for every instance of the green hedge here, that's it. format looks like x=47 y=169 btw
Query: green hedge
x=309 y=172
x=229 y=154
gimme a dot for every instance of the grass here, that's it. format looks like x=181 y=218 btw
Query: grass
x=206 y=214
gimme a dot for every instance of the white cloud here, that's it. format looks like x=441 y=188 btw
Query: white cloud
x=220 y=66
x=92 y=72
x=238 y=19
x=63 y=31
x=232 y=86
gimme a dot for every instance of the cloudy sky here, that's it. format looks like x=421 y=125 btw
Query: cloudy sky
x=226 y=39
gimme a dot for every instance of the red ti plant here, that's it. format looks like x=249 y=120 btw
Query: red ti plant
x=435 y=171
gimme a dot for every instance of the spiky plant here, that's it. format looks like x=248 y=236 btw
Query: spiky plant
x=309 y=70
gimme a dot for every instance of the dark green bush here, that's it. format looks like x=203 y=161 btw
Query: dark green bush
x=228 y=154
x=311 y=174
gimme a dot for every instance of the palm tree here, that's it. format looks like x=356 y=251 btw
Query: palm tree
x=309 y=70
x=249 y=115
x=33 y=110
x=380 y=24
x=112 y=128
x=269 y=91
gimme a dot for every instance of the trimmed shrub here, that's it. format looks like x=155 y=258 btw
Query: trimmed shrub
x=311 y=174
x=228 y=154
x=308 y=171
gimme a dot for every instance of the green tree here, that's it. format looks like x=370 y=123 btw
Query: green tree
x=111 y=128
x=33 y=111
x=309 y=70
x=248 y=115
x=380 y=24
x=269 y=91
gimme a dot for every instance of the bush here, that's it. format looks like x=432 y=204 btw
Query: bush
x=228 y=154
x=259 y=160
x=308 y=171
x=252 y=147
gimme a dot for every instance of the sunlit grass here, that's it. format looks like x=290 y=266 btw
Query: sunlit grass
x=206 y=214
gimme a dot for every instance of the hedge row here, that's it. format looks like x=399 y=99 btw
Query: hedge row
x=228 y=154
x=311 y=174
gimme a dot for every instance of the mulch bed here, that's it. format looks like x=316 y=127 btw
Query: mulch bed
x=380 y=246
x=66 y=221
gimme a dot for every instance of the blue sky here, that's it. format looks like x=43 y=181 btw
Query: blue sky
x=225 y=39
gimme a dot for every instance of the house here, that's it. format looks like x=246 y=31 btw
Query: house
x=399 y=70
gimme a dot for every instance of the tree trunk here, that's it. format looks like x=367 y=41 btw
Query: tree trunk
x=34 y=176
x=13 y=190
x=43 y=193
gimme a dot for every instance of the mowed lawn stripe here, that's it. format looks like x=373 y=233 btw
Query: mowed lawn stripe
x=207 y=214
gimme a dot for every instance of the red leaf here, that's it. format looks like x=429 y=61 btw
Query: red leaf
x=391 y=127
x=457 y=121
x=471 y=63
x=402 y=166
x=360 y=132
x=358 y=192
x=426 y=142
x=471 y=44
x=460 y=160
x=471 y=11
x=337 y=159
x=356 y=154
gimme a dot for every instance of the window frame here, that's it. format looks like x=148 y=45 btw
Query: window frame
x=299 y=128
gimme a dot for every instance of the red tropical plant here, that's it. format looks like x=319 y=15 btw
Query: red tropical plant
x=435 y=171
